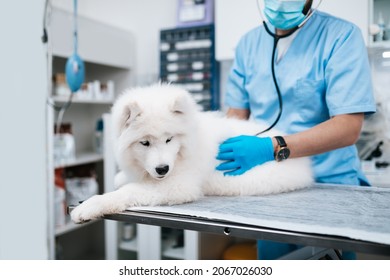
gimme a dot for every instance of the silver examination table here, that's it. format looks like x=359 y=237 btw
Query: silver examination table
x=340 y=217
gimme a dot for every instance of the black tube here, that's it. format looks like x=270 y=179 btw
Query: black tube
x=276 y=40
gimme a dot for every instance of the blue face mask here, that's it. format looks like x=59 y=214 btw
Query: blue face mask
x=284 y=14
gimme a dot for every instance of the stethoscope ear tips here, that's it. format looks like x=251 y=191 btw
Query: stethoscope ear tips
x=75 y=72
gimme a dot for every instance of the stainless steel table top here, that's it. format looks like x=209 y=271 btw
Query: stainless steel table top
x=331 y=216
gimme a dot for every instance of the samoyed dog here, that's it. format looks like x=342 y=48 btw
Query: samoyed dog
x=166 y=150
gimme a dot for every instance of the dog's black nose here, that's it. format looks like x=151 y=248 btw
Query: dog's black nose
x=162 y=169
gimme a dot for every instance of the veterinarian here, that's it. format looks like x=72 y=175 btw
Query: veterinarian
x=307 y=74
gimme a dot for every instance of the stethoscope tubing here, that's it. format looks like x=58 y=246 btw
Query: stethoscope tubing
x=273 y=57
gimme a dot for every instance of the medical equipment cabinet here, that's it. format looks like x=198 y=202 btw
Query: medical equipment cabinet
x=187 y=58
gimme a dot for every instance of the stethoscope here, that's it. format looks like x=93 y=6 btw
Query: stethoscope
x=276 y=38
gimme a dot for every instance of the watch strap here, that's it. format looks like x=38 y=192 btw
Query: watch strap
x=281 y=141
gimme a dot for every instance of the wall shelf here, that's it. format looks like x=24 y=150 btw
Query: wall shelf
x=75 y=99
x=82 y=158
x=379 y=17
x=130 y=245
x=108 y=54
x=174 y=253
x=384 y=44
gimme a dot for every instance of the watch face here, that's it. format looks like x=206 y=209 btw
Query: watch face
x=283 y=154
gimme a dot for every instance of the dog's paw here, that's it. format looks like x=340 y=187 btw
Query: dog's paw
x=88 y=210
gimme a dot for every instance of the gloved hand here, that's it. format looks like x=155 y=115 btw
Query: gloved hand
x=243 y=152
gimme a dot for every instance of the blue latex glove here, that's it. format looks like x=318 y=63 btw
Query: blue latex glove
x=243 y=152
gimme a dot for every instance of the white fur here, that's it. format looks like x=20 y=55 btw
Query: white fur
x=186 y=140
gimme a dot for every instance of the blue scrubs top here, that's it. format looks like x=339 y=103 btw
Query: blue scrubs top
x=325 y=72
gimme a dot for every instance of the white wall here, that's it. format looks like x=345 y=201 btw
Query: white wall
x=23 y=193
x=145 y=18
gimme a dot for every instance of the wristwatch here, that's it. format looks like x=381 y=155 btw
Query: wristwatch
x=282 y=151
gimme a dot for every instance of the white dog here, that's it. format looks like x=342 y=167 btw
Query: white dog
x=168 y=146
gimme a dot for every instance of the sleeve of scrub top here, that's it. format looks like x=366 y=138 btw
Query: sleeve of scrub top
x=348 y=76
x=236 y=95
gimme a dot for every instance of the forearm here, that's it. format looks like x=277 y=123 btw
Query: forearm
x=338 y=132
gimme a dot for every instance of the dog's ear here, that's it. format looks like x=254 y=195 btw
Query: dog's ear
x=180 y=105
x=129 y=114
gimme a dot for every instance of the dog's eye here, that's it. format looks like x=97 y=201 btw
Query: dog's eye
x=169 y=140
x=145 y=143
